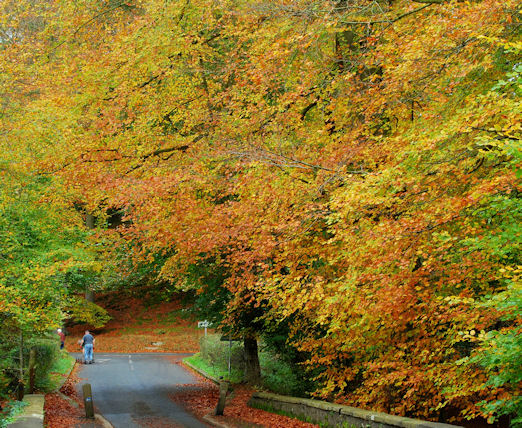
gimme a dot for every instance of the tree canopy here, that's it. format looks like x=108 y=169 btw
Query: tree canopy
x=349 y=168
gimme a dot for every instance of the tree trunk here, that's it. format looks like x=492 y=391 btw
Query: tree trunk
x=252 y=368
x=20 y=389
x=89 y=222
x=32 y=369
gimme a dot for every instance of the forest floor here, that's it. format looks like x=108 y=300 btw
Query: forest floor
x=140 y=327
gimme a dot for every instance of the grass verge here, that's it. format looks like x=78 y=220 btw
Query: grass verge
x=59 y=371
x=235 y=377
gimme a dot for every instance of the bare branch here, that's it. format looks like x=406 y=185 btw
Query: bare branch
x=85 y=24
x=429 y=1
x=389 y=21
x=282 y=161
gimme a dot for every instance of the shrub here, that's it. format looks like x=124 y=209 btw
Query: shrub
x=47 y=352
x=215 y=352
x=81 y=311
x=279 y=375
x=13 y=408
x=500 y=354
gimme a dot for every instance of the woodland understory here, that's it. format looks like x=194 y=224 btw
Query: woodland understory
x=339 y=178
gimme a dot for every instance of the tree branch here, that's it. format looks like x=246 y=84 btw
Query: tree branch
x=85 y=24
x=391 y=21
x=429 y=1
x=158 y=152
x=500 y=134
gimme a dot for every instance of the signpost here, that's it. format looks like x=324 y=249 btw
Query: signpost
x=229 y=338
x=204 y=324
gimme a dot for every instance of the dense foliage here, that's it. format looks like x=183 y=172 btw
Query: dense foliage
x=349 y=167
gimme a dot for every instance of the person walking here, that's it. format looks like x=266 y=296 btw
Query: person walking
x=62 y=337
x=88 y=346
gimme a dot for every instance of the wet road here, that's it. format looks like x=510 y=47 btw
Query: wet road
x=132 y=390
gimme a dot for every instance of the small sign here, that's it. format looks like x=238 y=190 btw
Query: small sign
x=204 y=324
x=226 y=338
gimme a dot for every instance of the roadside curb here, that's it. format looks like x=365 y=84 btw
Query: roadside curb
x=199 y=371
x=99 y=418
x=210 y=419
x=103 y=421
x=69 y=400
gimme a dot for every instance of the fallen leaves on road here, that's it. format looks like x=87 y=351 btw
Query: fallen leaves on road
x=237 y=410
x=200 y=399
x=69 y=386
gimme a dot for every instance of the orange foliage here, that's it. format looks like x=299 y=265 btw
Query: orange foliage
x=351 y=165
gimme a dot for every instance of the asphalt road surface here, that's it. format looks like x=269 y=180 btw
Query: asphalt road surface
x=131 y=390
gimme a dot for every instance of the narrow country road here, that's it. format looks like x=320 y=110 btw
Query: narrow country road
x=132 y=390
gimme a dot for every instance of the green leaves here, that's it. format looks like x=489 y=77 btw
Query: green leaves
x=500 y=354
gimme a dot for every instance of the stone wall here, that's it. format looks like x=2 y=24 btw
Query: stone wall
x=335 y=415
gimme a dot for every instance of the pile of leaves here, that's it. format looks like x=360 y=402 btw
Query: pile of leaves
x=59 y=413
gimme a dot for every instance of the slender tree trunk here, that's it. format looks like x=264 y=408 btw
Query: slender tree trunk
x=89 y=293
x=32 y=369
x=20 y=389
x=89 y=221
x=252 y=368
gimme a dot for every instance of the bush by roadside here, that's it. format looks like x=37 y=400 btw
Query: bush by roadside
x=278 y=375
x=47 y=355
x=51 y=365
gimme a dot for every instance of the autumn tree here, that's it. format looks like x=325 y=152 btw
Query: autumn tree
x=350 y=165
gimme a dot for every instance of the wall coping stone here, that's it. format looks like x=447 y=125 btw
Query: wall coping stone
x=378 y=417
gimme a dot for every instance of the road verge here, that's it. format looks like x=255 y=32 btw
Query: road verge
x=200 y=371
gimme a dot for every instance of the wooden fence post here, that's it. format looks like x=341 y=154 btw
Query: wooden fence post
x=87 y=400
x=223 y=389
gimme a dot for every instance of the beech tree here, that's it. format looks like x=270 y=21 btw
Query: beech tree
x=351 y=165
